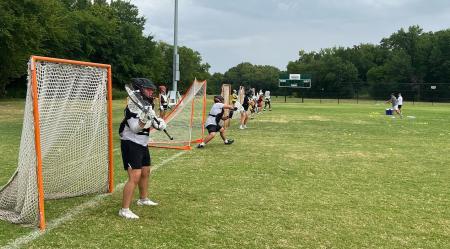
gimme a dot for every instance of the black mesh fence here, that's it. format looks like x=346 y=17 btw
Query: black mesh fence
x=355 y=92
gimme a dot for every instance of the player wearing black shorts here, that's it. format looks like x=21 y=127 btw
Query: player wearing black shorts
x=134 y=134
x=214 y=120
x=244 y=114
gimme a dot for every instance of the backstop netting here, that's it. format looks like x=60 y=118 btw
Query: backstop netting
x=66 y=141
x=185 y=123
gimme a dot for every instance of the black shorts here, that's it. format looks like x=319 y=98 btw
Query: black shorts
x=245 y=107
x=213 y=128
x=399 y=107
x=134 y=155
x=230 y=115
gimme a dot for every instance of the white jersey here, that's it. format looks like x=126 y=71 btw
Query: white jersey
x=164 y=99
x=267 y=95
x=130 y=128
x=400 y=100
x=216 y=109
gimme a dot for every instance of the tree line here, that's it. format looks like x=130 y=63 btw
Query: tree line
x=113 y=33
x=96 y=31
x=409 y=61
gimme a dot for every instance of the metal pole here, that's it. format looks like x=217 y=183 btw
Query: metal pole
x=176 y=58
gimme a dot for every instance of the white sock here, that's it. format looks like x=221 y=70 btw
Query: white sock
x=125 y=209
x=225 y=141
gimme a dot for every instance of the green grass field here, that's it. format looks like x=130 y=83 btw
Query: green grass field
x=306 y=175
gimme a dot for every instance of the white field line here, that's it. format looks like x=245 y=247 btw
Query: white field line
x=21 y=241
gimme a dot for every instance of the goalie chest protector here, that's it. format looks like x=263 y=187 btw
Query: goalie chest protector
x=128 y=114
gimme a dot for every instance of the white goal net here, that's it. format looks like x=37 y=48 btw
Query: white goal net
x=185 y=123
x=71 y=154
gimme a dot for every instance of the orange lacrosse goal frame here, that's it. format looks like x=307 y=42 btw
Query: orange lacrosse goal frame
x=34 y=85
x=66 y=146
x=185 y=122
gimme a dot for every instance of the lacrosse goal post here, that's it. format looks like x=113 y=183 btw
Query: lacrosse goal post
x=185 y=122
x=66 y=142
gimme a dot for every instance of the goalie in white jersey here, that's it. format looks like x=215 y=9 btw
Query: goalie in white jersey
x=134 y=134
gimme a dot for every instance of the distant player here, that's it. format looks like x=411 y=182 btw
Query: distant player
x=267 y=100
x=394 y=102
x=234 y=98
x=244 y=111
x=400 y=103
x=213 y=122
x=163 y=101
x=260 y=101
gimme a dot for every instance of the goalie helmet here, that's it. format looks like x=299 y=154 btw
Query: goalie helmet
x=143 y=84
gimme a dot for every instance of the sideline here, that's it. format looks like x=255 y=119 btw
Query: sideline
x=23 y=240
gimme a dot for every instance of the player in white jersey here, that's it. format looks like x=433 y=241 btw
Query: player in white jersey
x=213 y=122
x=400 y=103
x=134 y=134
x=267 y=100
x=163 y=101
x=394 y=102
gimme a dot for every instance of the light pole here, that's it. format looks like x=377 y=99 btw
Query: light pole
x=176 y=57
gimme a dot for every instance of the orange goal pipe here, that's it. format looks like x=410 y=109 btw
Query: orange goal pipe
x=204 y=110
x=83 y=63
x=37 y=144
x=110 y=135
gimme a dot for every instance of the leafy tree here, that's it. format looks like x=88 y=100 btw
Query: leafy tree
x=30 y=27
x=255 y=76
x=215 y=83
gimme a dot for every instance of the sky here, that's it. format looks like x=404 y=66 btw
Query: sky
x=272 y=32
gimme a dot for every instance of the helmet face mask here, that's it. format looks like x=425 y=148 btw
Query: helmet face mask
x=145 y=87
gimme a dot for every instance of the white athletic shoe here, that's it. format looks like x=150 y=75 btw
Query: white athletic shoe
x=146 y=202
x=241 y=127
x=245 y=126
x=127 y=214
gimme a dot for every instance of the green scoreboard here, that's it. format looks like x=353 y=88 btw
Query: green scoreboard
x=295 y=80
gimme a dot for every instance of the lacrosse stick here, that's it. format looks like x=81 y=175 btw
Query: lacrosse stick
x=138 y=101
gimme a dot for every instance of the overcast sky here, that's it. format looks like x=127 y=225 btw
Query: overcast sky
x=271 y=32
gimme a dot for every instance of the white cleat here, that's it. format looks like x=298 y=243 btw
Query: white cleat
x=241 y=127
x=127 y=214
x=146 y=202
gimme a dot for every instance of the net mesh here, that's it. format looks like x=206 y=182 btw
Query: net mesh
x=185 y=123
x=72 y=102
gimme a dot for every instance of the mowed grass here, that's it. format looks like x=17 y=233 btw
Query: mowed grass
x=306 y=175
